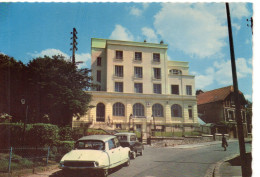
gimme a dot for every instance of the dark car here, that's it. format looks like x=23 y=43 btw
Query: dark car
x=130 y=140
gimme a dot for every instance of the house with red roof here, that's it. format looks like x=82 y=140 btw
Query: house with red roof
x=218 y=106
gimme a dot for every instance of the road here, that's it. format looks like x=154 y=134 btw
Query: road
x=169 y=162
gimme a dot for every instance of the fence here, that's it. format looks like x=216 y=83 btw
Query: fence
x=26 y=158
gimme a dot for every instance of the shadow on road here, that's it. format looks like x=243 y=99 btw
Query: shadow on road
x=78 y=173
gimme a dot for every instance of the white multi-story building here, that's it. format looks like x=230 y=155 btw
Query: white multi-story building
x=139 y=88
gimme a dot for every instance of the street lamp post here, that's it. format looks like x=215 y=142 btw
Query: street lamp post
x=154 y=127
x=25 y=121
x=130 y=117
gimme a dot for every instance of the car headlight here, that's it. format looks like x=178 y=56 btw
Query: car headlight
x=96 y=164
x=61 y=163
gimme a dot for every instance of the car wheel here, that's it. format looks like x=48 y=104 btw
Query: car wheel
x=142 y=152
x=104 y=173
x=127 y=163
x=133 y=155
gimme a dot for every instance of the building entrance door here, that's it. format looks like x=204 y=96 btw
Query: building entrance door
x=100 y=112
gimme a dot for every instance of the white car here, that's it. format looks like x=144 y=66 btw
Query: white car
x=95 y=152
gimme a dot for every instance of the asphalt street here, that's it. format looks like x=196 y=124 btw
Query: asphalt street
x=168 y=162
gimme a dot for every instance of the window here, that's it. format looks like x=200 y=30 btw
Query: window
x=133 y=137
x=118 y=109
x=138 y=110
x=190 y=112
x=98 y=75
x=119 y=54
x=100 y=112
x=157 y=88
x=118 y=86
x=138 y=88
x=138 y=72
x=98 y=61
x=118 y=126
x=157 y=73
x=188 y=90
x=156 y=57
x=175 y=89
x=157 y=110
x=111 y=144
x=175 y=71
x=119 y=71
x=138 y=56
x=176 y=110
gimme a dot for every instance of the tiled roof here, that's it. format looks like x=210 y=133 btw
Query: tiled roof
x=214 y=95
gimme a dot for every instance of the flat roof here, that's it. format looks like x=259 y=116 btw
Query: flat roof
x=97 y=137
x=101 y=43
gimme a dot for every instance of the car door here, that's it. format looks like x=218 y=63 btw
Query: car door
x=114 y=153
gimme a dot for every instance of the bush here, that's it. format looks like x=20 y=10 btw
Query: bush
x=66 y=133
x=10 y=134
x=43 y=135
x=60 y=149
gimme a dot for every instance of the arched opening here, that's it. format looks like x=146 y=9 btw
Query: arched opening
x=100 y=112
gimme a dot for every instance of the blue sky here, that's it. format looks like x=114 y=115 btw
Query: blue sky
x=195 y=32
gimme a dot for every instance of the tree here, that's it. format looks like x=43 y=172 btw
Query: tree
x=12 y=87
x=248 y=107
x=57 y=89
x=199 y=92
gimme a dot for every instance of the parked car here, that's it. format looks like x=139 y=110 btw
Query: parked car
x=95 y=153
x=130 y=140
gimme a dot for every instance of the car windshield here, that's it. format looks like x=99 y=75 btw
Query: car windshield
x=90 y=144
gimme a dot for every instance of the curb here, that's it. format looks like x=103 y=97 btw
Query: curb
x=214 y=170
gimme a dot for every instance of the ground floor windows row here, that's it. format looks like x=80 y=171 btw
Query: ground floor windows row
x=138 y=110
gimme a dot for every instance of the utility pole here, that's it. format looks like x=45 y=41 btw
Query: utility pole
x=237 y=101
x=74 y=44
x=251 y=20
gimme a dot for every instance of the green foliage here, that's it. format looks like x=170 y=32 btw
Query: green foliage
x=65 y=133
x=54 y=90
x=43 y=135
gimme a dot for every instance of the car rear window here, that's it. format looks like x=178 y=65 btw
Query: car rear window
x=90 y=144
x=122 y=137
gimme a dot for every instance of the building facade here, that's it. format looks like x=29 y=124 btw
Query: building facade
x=218 y=106
x=138 y=88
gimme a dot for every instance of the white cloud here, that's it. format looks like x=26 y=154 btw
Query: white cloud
x=222 y=74
x=248 y=97
x=236 y=26
x=149 y=34
x=138 y=11
x=197 y=29
x=121 y=33
x=85 y=58
x=49 y=52
x=238 y=10
x=135 y=11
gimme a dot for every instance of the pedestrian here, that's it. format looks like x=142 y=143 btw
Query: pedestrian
x=224 y=142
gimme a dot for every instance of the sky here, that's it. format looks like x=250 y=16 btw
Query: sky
x=195 y=32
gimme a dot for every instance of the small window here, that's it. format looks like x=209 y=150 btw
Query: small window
x=118 y=126
x=190 y=112
x=156 y=57
x=118 y=86
x=138 y=72
x=138 y=88
x=138 y=56
x=98 y=75
x=175 y=89
x=119 y=71
x=157 y=73
x=98 y=61
x=188 y=90
x=119 y=54
x=175 y=71
x=157 y=88
x=132 y=138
